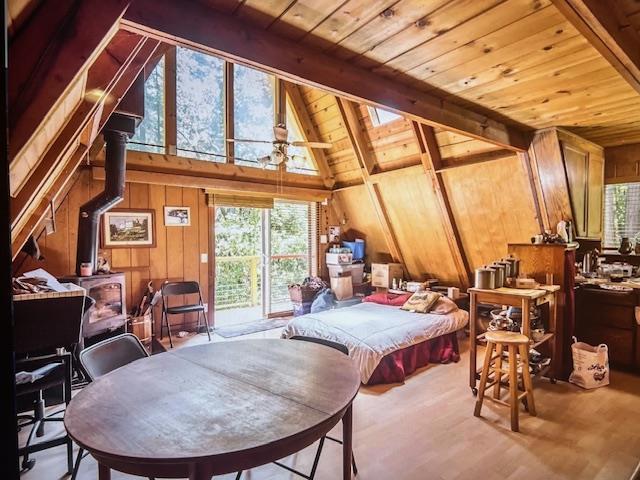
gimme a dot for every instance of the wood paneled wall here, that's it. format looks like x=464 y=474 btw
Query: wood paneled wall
x=176 y=255
x=622 y=164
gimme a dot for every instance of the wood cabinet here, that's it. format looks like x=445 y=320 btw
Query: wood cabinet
x=584 y=167
x=609 y=317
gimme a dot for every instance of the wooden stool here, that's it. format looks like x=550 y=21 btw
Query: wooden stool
x=515 y=343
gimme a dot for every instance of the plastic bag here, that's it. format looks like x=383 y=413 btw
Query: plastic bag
x=324 y=301
x=590 y=365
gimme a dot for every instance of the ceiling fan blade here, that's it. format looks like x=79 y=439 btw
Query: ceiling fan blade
x=312 y=144
x=244 y=140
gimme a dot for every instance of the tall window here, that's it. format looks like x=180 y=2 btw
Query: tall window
x=200 y=105
x=621 y=213
x=253 y=113
x=149 y=136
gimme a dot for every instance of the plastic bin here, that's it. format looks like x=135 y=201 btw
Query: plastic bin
x=357 y=248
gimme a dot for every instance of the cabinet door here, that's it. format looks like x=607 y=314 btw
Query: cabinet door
x=575 y=164
x=594 y=195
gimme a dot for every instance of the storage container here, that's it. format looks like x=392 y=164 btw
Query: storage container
x=383 y=273
x=339 y=258
x=356 y=270
x=357 y=248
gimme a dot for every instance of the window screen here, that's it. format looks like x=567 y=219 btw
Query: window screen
x=621 y=213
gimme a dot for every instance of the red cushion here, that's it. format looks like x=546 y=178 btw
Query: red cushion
x=385 y=298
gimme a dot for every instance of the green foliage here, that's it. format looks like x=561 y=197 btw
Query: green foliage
x=149 y=136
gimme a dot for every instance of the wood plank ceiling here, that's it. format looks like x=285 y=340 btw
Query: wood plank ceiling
x=521 y=58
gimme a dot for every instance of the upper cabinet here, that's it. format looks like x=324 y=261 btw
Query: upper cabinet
x=584 y=167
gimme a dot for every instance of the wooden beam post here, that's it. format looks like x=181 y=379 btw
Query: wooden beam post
x=310 y=132
x=349 y=118
x=211 y=267
x=234 y=39
x=430 y=157
x=170 y=107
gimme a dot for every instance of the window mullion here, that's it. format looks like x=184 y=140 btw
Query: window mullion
x=171 y=128
x=229 y=127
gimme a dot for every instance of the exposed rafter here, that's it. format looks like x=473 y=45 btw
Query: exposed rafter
x=365 y=162
x=43 y=71
x=430 y=157
x=112 y=74
x=607 y=28
x=206 y=29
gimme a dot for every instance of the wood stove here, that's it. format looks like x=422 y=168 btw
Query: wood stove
x=110 y=311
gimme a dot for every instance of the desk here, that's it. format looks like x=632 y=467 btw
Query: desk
x=514 y=297
x=214 y=409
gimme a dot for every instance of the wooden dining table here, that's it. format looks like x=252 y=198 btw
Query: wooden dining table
x=213 y=409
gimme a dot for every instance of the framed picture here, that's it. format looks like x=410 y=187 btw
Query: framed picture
x=177 y=216
x=128 y=227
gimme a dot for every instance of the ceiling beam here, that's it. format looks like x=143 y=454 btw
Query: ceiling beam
x=43 y=70
x=113 y=73
x=473 y=158
x=175 y=164
x=607 y=28
x=310 y=132
x=349 y=117
x=234 y=39
x=222 y=186
x=430 y=158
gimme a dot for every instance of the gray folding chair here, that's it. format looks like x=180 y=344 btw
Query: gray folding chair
x=104 y=357
x=170 y=289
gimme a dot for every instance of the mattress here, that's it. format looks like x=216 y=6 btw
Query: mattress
x=370 y=331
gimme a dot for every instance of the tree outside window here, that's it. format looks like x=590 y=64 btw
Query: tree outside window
x=149 y=135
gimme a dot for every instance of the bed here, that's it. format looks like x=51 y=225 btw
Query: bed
x=386 y=342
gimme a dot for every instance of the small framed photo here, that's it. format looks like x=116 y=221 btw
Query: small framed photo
x=128 y=228
x=177 y=216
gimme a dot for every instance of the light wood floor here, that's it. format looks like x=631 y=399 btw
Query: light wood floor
x=425 y=429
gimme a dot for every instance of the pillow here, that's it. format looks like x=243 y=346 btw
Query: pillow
x=385 y=298
x=421 y=302
x=444 y=306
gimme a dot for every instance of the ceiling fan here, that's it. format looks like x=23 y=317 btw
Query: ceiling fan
x=281 y=145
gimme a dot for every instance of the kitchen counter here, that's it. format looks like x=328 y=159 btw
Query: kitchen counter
x=611 y=256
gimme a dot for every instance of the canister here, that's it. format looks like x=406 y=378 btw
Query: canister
x=515 y=265
x=485 y=278
x=507 y=268
x=501 y=273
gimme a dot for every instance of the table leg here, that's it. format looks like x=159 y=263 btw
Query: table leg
x=347 y=443
x=104 y=472
x=473 y=314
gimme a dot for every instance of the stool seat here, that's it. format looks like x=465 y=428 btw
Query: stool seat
x=506 y=338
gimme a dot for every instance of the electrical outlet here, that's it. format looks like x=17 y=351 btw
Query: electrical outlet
x=206 y=307
x=204 y=258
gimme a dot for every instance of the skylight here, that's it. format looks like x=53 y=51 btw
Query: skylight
x=380 y=116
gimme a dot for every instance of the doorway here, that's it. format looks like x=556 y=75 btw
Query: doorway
x=259 y=252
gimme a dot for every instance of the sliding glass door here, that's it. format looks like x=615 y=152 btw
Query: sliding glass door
x=291 y=253
x=259 y=253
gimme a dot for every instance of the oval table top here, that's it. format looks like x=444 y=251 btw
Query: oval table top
x=229 y=404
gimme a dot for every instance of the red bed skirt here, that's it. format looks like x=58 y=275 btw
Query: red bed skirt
x=394 y=367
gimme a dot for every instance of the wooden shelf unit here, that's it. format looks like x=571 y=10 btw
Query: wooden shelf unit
x=524 y=299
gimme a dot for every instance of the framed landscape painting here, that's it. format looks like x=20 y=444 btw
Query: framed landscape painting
x=177 y=216
x=127 y=228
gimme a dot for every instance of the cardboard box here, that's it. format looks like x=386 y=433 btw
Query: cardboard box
x=338 y=258
x=383 y=273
